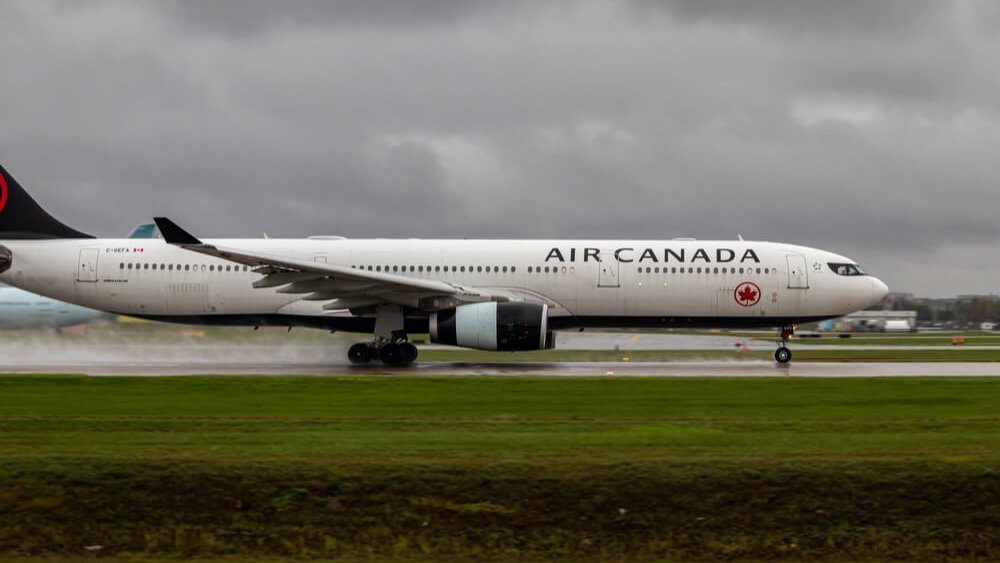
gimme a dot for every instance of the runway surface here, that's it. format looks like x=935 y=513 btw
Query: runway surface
x=277 y=356
x=570 y=369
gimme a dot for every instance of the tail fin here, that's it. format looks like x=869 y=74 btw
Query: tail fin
x=146 y=230
x=22 y=218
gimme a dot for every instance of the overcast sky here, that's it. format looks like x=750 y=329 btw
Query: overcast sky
x=871 y=129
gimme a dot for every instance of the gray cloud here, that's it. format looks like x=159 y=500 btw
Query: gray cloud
x=864 y=128
x=251 y=18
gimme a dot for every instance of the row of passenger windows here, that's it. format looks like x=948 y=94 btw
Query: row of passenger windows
x=477 y=269
x=182 y=267
x=692 y=270
x=403 y=269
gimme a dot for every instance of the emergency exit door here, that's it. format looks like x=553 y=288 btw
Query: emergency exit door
x=86 y=271
x=798 y=275
x=608 y=270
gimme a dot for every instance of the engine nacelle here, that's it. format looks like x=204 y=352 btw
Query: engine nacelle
x=493 y=326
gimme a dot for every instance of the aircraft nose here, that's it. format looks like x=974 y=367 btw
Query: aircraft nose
x=879 y=290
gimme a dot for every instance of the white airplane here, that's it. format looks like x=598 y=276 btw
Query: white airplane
x=483 y=294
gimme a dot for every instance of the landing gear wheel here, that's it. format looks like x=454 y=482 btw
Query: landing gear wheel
x=359 y=354
x=782 y=355
x=391 y=354
x=408 y=353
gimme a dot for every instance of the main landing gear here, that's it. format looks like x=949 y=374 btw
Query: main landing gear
x=389 y=352
x=783 y=355
x=390 y=344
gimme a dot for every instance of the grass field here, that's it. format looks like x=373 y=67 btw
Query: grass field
x=473 y=468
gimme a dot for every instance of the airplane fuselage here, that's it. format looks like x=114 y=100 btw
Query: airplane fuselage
x=585 y=283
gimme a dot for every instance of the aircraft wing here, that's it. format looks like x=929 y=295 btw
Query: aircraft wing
x=317 y=281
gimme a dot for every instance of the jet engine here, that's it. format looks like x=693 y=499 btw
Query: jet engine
x=6 y=259
x=493 y=326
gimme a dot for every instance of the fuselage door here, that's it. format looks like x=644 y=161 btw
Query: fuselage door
x=798 y=275
x=608 y=270
x=87 y=269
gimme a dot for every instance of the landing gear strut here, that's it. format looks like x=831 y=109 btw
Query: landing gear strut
x=390 y=344
x=390 y=352
x=783 y=355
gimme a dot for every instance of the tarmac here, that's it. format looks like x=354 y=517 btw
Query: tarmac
x=247 y=358
x=154 y=368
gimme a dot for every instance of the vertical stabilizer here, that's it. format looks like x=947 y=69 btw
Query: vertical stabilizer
x=22 y=218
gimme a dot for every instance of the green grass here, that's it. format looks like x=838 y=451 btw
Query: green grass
x=473 y=468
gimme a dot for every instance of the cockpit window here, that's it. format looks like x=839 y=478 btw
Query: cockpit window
x=846 y=269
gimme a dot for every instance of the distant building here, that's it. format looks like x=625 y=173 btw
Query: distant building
x=873 y=321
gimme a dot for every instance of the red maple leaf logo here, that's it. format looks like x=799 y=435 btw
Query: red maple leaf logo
x=747 y=294
x=3 y=192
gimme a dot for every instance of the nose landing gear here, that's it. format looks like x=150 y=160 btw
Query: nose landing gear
x=783 y=355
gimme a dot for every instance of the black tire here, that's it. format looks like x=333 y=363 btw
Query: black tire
x=390 y=354
x=782 y=355
x=359 y=354
x=408 y=353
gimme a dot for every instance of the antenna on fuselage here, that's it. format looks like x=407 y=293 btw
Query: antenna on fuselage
x=740 y=237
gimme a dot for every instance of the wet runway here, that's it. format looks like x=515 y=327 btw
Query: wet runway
x=568 y=369
x=278 y=356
